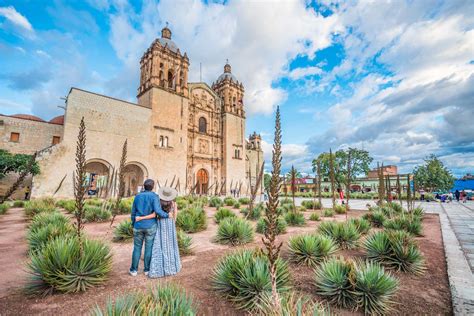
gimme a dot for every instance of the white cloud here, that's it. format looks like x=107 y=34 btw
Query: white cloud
x=298 y=73
x=257 y=38
x=12 y=15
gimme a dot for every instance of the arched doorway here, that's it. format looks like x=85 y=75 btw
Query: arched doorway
x=202 y=181
x=133 y=178
x=97 y=173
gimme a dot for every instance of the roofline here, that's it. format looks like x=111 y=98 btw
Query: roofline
x=200 y=84
x=106 y=96
x=28 y=119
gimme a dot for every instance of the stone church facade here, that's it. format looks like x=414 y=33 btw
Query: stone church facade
x=188 y=135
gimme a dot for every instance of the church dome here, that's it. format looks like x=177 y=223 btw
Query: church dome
x=227 y=74
x=58 y=120
x=28 y=117
x=165 y=39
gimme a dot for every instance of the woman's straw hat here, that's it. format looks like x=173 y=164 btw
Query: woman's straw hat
x=167 y=193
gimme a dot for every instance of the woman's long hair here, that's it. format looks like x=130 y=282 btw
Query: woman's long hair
x=166 y=206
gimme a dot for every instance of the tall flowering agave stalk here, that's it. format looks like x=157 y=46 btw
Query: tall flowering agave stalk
x=269 y=240
x=80 y=175
x=331 y=173
x=121 y=179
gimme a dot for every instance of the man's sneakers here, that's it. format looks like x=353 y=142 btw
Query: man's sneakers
x=133 y=273
x=146 y=273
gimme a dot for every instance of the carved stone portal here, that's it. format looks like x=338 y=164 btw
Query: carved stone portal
x=203 y=146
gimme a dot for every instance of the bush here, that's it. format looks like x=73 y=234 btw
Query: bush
x=45 y=227
x=18 y=203
x=310 y=249
x=96 y=214
x=292 y=304
x=192 y=220
x=237 y=205
x=408 y=223
x=254 y=214
x=281 y=226
x=229 y=201
x=215 y=201
x=59 y=266
x=123 y=231
x=418 y=212
x=395 y=249
x=295 y=219
x=4 y=207
x=314 y=217
x=34 y=207
x=165 y=299
x=376 y=218
x=328 y=212
x=356 y=285
x=314 y=205
x=223 y=213
x=125 y=205
x=94 y=201
x=362 y=225
x=344 y=234
x=181 y=202
x=244 y=201
x=68 y=205
x=340 y=209
x=185 y=243
x=244 y=277
x=286 y=201
x=234 y=231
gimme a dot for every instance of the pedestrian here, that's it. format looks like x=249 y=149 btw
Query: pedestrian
x=341 y=195
x=450 y=196
x=27 y=192
x=422 y=195
x=457 y=194
x=464 y=196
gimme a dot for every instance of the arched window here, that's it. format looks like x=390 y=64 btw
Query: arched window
x=181 y=79
x=161 y=142
x=202 y=125
x=165 y=143
x=162 y=78
x=170 y=80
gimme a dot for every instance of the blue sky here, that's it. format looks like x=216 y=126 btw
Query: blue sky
x=395 y=78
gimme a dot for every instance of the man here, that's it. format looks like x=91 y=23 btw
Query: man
x=145 y=203
x=27 y=192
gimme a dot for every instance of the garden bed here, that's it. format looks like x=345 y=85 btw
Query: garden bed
x=425 y=294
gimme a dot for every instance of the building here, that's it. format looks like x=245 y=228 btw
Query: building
x=188 y=135
x=389 y=170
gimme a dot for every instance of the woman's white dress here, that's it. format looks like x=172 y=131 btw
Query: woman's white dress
x=165 y=258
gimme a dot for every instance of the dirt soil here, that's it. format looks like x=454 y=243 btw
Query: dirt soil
x=427 y=294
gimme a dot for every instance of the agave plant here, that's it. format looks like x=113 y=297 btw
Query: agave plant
x=376 y=218
x=244 y=201
x=280 y=229
x=123 y=231
x=184 y=243
x=161 y=300
x=335 y=281
x=59 y=266
x=95 y=213
x=295 y=219
x=229 y=201
x=223 y=213
x=374 y=288
x=314 y=205
x=407 y=222
x=356 y=284
x=34 y=207
x=254 y=213
x=192 y=220
x=4 y=207
x=340 y=209
x=395 y=249
x=418 y=212
x=310 y=249
x=234 y=231
x=346 y=235
x=294 y=305
x=18 y=203
x=244 y=278
x=362 y=225
x=215 y=201
x=328 y=212
x=314 y=217
x=45 y=227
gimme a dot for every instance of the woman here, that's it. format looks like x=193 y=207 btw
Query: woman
x=165 y=258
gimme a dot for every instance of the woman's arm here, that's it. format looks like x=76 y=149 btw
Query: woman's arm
x=150 y=216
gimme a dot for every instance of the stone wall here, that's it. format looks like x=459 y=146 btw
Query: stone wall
x=109 y=122
x=34 y=135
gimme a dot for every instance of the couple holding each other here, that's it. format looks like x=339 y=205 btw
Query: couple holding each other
x=153 y=217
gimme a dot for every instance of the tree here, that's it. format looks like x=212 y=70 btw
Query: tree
x=269 y=240
x=16 y=163
x=360 y=161
x=433 y=175
x=267 y=177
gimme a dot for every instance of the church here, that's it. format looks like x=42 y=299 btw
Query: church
x=188 y=135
